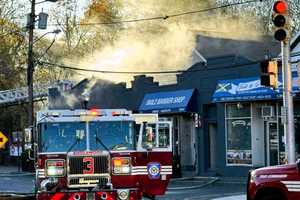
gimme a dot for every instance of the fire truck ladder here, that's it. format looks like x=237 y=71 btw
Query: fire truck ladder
x=40 y=92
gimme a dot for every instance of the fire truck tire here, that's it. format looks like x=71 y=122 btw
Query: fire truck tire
x=271 y=197
x=151 y=197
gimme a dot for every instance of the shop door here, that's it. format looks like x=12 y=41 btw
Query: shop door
x=272 y=143
x=212 y=134
x=176 y=148
x=187 y=146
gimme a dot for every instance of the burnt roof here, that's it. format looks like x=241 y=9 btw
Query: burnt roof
x=253 y=50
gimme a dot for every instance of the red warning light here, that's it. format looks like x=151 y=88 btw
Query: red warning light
x=280 y=7
x=94 y=112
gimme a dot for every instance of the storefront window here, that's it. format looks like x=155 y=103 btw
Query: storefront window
x=238 y=129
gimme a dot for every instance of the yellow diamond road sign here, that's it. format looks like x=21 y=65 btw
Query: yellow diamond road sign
x=3 y=140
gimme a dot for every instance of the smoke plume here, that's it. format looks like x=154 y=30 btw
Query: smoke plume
x=161 y=45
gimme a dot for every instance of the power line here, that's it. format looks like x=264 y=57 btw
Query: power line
x=164 y=17
x=143 y=72
x=63 y=66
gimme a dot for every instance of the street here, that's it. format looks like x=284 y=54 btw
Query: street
x=179 y=189
x=204 y=188
x=129 y=100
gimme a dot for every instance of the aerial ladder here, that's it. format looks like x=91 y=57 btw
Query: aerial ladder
x=40 y=92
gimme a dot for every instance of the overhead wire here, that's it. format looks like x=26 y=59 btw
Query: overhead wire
x=79 y=68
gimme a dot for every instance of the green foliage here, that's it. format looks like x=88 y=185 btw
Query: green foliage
x=12 y=54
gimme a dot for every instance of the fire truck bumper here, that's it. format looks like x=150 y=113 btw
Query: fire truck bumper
x=118 y=194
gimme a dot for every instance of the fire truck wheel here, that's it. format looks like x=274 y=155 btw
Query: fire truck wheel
x=271 y=197
x=151 y=197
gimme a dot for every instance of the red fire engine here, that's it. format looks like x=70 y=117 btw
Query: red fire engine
x=274 y=183
x=102 y=154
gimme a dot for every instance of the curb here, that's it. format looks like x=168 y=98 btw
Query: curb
x=233 y=181
x=192 y=178
x=233 y=197
x=213 y=180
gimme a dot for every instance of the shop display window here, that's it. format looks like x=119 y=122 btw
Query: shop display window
x=238 y=134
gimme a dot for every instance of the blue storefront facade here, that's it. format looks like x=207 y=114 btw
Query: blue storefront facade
x=253 y=122
x=225 y=122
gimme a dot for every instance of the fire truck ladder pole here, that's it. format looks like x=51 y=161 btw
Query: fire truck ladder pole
x=288 y=109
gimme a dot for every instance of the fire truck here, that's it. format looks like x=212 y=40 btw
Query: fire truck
x=274 y=183
x=101 y=154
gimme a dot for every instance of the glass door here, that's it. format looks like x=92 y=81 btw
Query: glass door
x=272 y=145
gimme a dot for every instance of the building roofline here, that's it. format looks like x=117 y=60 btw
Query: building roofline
x=295 y=41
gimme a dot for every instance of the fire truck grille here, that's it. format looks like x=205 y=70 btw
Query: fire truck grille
x=88 y=170
x=81 y=164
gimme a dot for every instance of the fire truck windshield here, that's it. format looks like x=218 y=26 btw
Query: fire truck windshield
x=60 y=136
x=116 y=135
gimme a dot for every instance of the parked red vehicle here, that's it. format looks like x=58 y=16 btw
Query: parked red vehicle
x=102 y=154
x=274 y=183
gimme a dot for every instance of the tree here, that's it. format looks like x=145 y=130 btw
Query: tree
x=12 y=62
x=12 y=55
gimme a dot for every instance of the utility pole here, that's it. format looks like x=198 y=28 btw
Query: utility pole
x=288 y=107
x=30 y=63
x=280 y=18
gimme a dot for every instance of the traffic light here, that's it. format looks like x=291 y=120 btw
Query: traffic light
x=269 y=73
x=280 y=19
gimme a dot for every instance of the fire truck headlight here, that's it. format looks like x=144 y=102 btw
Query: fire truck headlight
x=55 y=168
x=121 y=166
x=123 y=194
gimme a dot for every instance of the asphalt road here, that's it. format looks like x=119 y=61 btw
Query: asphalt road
x=25 y=184
x=209 y=192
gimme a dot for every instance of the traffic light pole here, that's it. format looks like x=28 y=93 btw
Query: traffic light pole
x=288 y=110
x=30 y=67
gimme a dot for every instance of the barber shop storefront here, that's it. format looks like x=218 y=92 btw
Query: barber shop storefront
x=180 y=107
x=254 y=133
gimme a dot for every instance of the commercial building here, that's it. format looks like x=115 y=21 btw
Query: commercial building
x=224 y=121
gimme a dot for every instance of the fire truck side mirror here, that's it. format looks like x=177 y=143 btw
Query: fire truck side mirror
x=28 y=135
x=298 y=165
x=149 y=140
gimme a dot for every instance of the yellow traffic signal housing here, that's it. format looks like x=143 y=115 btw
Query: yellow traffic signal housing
x=269 y=73
x=273 y=73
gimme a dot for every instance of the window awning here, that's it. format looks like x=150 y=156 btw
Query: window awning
x=248 y=89
x=162 y=102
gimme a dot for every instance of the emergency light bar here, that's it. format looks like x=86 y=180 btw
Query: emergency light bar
x=84 y=114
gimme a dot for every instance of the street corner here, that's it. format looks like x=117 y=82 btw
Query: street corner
x=235 y=197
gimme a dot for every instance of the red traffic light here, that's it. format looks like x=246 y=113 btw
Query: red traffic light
x=280 y=7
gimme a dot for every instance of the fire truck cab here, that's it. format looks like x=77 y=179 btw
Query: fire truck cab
x=101 y=154
x=274 y=183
